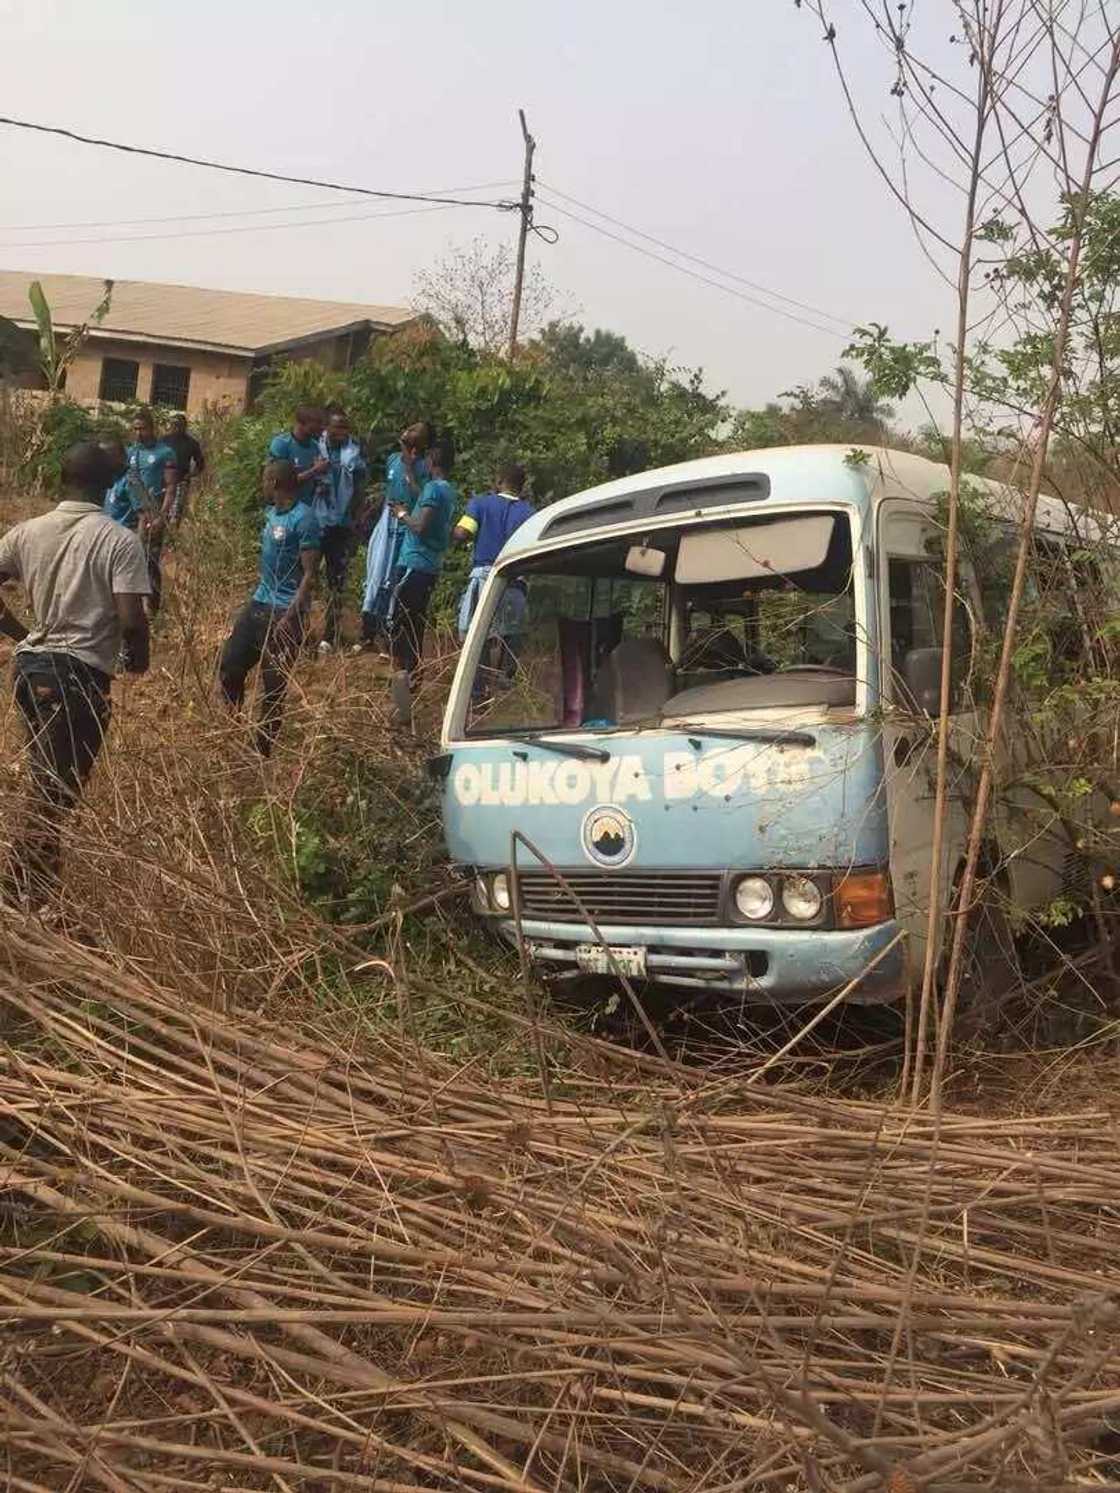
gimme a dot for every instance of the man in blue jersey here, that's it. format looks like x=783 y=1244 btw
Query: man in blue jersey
x=127 y=501
x=144 y=497
x=406 y=472
x=489 y=519
x=300 y=446
x=272 y=624
x=427 y=538
x=339 y=494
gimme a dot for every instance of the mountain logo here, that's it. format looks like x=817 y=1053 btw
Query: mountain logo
x=609 y=836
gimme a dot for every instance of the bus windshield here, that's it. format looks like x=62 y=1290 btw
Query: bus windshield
x=677 y=624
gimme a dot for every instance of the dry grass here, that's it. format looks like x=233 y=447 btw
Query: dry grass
x=299 y=1203
x=322 y=1255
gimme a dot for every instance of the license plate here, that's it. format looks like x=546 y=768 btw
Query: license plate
x=594 y=959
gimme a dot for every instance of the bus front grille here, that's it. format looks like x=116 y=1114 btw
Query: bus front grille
x=669 y=898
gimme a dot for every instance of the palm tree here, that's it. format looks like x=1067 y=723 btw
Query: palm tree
x=844 y=394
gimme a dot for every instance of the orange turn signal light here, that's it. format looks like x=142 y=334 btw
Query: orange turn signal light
x=863 y=898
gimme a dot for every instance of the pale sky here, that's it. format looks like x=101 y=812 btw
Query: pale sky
x=717 y=126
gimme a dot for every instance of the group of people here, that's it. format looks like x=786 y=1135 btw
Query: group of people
x=91 y=570
x=319 y=511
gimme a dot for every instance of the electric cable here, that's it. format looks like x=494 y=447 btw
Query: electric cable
x=707 y=264
x=233 y=212
x=300 y=181
x=139 y=238
x=696 y=275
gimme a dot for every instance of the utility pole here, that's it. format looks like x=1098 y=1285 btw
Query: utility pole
x=526 y=224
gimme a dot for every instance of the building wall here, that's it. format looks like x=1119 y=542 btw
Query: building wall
x=216 y=378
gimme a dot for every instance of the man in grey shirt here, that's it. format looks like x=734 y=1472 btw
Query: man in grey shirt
x=85 y=578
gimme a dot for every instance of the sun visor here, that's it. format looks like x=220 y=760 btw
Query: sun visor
x=784 y=546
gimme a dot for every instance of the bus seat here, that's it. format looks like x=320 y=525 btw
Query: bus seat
x=633 y=683
x=583 y=643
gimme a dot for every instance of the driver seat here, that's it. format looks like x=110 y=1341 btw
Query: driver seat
x=712 y=650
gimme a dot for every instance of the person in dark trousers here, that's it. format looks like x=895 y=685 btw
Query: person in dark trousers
x=270 y=628
x=488 y=520
x=189 y=463
x=426 y=541
x=85 y=578
x=406 y=471
x=300 y=446
x=339 y=495
x=143 y=498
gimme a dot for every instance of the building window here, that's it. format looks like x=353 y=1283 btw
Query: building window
x=119 y=377
x=170 y=385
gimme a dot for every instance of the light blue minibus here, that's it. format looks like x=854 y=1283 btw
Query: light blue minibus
x=708 y=758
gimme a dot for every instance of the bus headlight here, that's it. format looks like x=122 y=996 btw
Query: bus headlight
x=801 y=898
x=499 y=892
x=754 y=897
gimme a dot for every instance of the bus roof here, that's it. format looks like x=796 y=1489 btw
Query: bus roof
x=808 y=474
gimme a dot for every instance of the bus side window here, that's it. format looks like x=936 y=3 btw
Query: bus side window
x=917 y=615
x=995 y=566
x=1062 y=594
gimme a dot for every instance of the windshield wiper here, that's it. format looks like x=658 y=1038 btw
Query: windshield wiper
x=774 y=735
x=565 y=748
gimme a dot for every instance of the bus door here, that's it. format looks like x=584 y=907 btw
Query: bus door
x=912 y=601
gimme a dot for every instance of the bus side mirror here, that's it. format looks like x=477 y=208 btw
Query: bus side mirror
x=921 y=673
x=438 y=767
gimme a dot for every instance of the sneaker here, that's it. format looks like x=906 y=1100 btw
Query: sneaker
x=325 y=647
x=356 y=648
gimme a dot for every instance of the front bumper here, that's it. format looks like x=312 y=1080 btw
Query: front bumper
x=785 y=966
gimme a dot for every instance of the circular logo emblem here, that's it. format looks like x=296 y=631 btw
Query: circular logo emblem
x=609 y=836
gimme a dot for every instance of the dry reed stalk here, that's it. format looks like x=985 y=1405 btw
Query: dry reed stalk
x=258 y=1226
x=337 y=1272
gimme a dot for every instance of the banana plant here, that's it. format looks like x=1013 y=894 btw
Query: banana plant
x=55 y=356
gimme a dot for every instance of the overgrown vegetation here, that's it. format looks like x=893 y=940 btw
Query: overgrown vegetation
x=312 y=1195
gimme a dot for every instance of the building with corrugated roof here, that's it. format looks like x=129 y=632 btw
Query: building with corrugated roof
x=183 y=347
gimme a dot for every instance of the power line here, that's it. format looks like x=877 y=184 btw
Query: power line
x=299 y=181
x=141 y=238
x=236 y=212
x=695 y=274
x=843 y=321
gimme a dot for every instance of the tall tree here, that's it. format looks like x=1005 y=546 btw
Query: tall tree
x=469 y=292
x=845 y=394
x=565 y=347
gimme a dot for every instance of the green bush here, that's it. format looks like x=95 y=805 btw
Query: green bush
x=60 y=424
x=571 y=423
